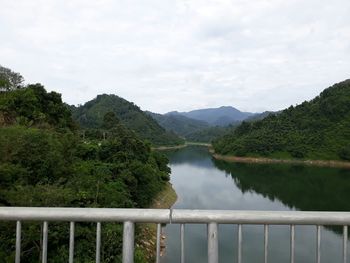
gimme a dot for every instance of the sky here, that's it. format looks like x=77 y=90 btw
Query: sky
x=166 y=55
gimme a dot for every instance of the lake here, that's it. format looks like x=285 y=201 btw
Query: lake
x=202 y=182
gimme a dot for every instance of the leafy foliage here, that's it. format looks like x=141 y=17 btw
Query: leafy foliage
x=10 y=80
x=209 y=134
x=319 y=129
x=90 y=115
x=44 y=162
x=33 y=106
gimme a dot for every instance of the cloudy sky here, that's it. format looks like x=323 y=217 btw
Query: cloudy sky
x=168 y=55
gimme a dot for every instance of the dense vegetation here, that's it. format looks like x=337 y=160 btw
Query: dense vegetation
x=44 y=162
x=10 y=80
x=90 y=115
x=209 y=134
x=319 y=129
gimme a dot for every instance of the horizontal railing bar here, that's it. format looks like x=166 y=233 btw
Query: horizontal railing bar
x=177 y=216
x=84 y=214
x=261 y=217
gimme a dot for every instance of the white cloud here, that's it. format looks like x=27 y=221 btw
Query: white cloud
x=180 y=54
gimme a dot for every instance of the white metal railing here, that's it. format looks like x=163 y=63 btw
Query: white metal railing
x=177 y=216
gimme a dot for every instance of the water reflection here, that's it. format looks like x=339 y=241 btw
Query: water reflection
x=298 y=187
x=204 y=183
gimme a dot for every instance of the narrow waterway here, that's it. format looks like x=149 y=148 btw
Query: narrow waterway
x=204 y=183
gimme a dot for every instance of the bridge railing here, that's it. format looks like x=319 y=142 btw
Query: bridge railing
x=177 y=216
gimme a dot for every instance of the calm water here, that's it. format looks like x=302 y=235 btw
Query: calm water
x=204 y=183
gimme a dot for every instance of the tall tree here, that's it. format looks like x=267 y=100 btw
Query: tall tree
x=10 y=80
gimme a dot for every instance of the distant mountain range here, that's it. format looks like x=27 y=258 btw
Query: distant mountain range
x=204 y=125
x=222 y=116
x=179 y=124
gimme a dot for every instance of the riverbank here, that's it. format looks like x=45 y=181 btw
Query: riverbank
x=198 y=144
x=147 y=242
x=164 y=148
x=262 y=160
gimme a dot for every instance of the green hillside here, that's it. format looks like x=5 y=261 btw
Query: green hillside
x=318 y=129
x=44 y=162
x=209 y=134
x=90 y=115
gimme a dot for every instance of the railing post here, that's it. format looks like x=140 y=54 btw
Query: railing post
x=182 y=237
x=45 y=233
x=318 y=248
x=266 y=242
x=159 y=230
x=213 y=245
x=98 y=242
x=128 y=242
x=71 y=242
x=239 y=253
x=292 y=241
x=18 y=242
x=345 y=243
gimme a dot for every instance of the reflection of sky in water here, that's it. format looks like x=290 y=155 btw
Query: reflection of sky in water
x=201 y=185
x=211 y=193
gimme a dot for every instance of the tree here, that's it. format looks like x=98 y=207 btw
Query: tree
x=110 y=120
x=10 y=80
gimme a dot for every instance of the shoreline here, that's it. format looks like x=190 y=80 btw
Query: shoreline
x=261 y=160
x=264 y=160
x=147 y=243
x=164 y=148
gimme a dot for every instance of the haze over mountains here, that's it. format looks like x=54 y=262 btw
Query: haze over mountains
x=222 y=116
x=202 y=125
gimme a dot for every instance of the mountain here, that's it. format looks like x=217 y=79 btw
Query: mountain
x=222 y=116
x=318 y=129
x=179 y=124
x=90 y=115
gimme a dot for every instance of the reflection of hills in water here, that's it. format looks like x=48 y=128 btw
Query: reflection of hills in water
x=194 y=155
x=299 y=187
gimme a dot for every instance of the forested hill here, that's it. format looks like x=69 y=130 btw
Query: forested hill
x=318 y=129
x=90 y=115
x=44 y=162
